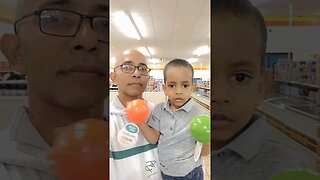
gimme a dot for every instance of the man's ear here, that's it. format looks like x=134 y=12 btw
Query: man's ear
x=112 y=76
x=10 y=47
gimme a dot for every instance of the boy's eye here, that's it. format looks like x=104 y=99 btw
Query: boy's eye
x=171 y=86
x=186 y=86
x=241 y=77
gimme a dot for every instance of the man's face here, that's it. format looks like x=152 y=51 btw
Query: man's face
x=130 y=84
x=178 y=86
x=65 y=71
x=237 y=78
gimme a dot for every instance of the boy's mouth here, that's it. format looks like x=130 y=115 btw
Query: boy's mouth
x=178 y=99
x=220 y=121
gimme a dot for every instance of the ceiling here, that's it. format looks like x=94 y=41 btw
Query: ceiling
x=176 y=27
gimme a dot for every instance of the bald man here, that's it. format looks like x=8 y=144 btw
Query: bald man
x=62 y=47
x=138 y=161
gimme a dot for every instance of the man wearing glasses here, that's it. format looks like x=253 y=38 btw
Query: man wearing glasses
x=138 y=161
x=62 y=47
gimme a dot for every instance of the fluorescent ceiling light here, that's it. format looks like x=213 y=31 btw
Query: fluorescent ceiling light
x=125 y=25
x=154 y=60
x=201 y=50
x=140 y=25
x=192 y=60
x=147 y=51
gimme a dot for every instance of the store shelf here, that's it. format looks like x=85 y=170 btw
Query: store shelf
x=202 y=100
x=204 y=88
x=303 y=106
x=299 y=83
x=14 y=82
x=9 y=98
x=292 y=133
x=292 y=120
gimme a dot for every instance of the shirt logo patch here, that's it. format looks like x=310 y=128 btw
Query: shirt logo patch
x=150 y=166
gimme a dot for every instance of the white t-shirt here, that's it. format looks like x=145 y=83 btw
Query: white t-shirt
x=23 y=152
x=139 y=162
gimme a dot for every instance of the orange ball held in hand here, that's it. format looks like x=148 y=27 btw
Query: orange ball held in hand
x=80 y=151
x=137 y=111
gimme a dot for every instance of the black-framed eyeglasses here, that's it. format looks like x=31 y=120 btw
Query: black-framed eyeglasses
x=64 y=23
x=130 y=68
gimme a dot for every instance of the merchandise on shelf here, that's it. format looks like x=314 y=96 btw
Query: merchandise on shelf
x=312 y=66
x=303 y=71
x=283 y=68
x=13 y=84
x=317 y=71
x=154 y=85
x=203 y=87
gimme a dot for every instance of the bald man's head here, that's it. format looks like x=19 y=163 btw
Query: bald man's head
x=129 y=55
x=130 y=75
x=25 y=6
x=40 y=50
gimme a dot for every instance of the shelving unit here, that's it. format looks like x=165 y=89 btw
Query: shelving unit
x=11 y=84
x=204 y=88
x=204 y=101
x=299 y=84
x=296 y=114
x=204 y=91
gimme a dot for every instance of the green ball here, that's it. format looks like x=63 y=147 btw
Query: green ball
x=201 y=129
x=296 y=175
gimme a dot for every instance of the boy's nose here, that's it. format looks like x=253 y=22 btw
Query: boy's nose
x=178 y=90
x=220 y=94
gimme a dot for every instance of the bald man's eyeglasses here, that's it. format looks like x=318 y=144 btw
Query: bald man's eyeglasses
x=65 y=23
x=130 y=68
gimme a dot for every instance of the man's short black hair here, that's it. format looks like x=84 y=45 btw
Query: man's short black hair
x=177 y=63
x=243 y=9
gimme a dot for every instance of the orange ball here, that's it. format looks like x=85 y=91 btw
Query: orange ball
x=137 y=111
x=80 y=151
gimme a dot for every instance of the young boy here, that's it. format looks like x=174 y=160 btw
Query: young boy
x=242 y=149
x=170 y=125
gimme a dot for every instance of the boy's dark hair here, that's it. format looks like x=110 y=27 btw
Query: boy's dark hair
x=177 y=63
x=243 y=8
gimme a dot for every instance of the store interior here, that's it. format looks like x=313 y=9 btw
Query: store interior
x=168 y=29
x=162 y=31
x=292 y=100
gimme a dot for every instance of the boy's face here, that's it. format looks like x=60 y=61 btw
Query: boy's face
x=178 y=86
x=237 y=76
